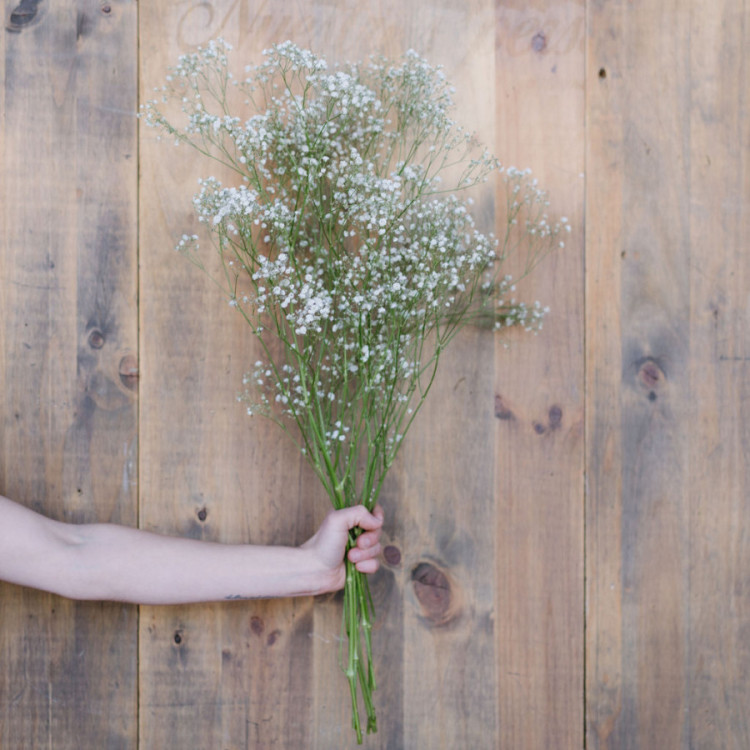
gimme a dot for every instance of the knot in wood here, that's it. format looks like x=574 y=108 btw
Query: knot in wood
x=392 y=555
x=650 y=377
x=501 y=409
x=96 y=339
x=649 y=374
x=22 y=15
x=434 y=593
x=128 y=371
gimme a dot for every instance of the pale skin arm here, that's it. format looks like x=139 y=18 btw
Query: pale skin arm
x=117 y=563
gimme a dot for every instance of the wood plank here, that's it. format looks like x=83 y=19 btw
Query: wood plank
x=539 y=392
x=442 y=504
x=434 y=655
x=667 y=337
x=718 y=653
x=235 y=675
x=68 y=323
x=638 y=630
x=604 y=462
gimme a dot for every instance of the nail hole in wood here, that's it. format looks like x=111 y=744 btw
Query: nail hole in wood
x=539 y=42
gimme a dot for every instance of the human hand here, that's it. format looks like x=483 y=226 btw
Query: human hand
x=329 y=542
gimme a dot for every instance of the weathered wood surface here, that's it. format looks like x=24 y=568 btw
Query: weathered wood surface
x=237 y=675
x=480 y=639
x=539 y=393
x=668 y=286
x=68 y=327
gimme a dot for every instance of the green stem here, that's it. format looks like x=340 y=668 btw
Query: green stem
x=358 y=628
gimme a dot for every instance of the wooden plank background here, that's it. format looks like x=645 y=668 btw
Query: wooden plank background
x=584 y=494
x=68 y=316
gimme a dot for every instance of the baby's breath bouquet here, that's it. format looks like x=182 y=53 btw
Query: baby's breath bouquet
x=348 y=246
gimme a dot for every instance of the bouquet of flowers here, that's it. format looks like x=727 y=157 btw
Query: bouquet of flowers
x=347 y=249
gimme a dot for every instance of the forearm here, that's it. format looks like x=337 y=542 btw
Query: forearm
x=105 y=561
x=123 y=564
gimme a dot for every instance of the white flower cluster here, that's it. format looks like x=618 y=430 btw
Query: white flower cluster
x=341 y=239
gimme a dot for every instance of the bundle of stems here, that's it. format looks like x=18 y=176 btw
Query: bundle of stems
x=347 y=247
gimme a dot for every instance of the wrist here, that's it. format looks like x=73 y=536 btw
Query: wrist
x=323 y=578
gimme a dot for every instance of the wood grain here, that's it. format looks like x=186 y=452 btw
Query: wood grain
x=434 y=641
x=482 y=622
x=539 y=393
x=667 y=287
x=240 y=674
x=639 y=542
x=442 y=498
x=719 y=489
x=68 y=323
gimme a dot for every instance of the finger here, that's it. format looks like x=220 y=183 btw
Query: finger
x=368 y=539
x=368 y=566
x=357 y=554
